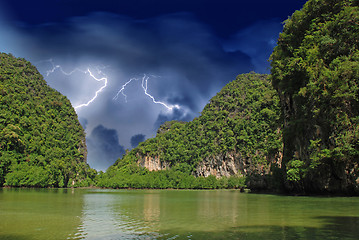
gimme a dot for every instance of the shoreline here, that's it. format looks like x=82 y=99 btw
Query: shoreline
x=244 y=191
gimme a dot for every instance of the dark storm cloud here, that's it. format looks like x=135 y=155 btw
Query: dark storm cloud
x=176 y=114
x=175 y=42
x=224 y=16
x=136 y=139
x=103 y=147
x=184 y=52
x=257 y=41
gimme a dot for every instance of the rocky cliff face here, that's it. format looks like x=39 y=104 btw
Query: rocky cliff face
x=232 y=163
x=223 y=165
x=152 y=163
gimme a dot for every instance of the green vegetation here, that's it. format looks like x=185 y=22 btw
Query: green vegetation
x=315 y=69
x=243 y=118
x=134 y=176
x=42 y=143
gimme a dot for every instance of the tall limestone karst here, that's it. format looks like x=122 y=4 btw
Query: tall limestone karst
x=42 y=144
x=237 y=134
x=315 y=69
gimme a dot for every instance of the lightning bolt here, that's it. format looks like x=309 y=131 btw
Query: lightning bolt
x=98 y=91
x=123 y=89
x=144 y=85
x=88 y=71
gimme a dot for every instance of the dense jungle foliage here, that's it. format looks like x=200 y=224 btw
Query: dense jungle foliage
x=315 y=69
x=243 y=117
x=42 y=143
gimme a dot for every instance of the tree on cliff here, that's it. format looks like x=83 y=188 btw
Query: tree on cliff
x=315 y=69
x=42 y=144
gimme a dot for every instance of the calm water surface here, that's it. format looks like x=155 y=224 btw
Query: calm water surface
x=170 y=214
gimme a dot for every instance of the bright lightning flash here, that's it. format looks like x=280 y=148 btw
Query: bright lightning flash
x=145 y=87
x=88 y=71
x=98 y=91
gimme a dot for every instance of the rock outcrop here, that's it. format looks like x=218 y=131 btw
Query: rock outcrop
x=233 y=163
x=223 y=165
x=152 y=163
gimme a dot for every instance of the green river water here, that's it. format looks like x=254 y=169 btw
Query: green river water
x=173 y=214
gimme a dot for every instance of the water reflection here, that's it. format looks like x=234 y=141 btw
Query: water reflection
x=223 y=206
x=111 y=214
x=169 y=214
x=151 y=207
x=342 y=227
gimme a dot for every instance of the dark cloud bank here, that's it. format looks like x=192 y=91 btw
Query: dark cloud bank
x=103 y=147
x=190 y=64
x=136 y=139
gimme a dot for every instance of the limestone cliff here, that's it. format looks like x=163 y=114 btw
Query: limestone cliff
x=224 y=165
x=152 y=163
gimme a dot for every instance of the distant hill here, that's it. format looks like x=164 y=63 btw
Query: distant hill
x=237 y=134
x=42 y=143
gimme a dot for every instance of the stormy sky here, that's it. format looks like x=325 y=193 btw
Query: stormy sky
x=128 y=66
